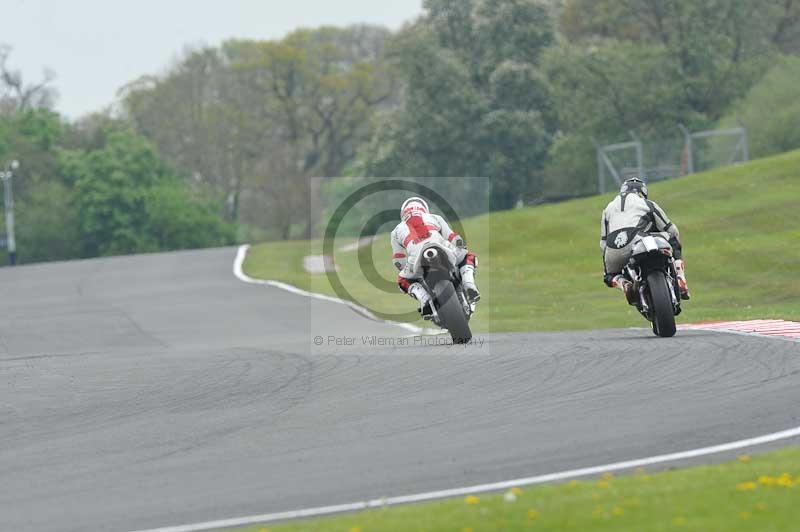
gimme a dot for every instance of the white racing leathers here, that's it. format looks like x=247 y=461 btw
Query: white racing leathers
x=623 y=218
x=415 y=230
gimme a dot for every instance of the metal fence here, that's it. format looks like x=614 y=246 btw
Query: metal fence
x=684 y=154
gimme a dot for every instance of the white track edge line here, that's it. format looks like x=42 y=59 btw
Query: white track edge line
x=241 y=255
x=480 y=488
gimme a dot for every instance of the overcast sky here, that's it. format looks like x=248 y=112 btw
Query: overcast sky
x=97 y=46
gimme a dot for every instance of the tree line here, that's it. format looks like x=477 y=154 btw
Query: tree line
x=223 y=145
x=95 y=187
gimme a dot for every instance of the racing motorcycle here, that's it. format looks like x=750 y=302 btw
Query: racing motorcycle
x=434 y=262
x=651 y=268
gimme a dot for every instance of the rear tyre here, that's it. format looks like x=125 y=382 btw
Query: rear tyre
x=663 y=312
x=451 y=312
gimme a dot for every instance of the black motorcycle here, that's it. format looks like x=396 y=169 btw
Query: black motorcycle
x=651 y=268
x=435 y=264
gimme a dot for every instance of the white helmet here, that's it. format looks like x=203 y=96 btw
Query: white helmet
x=413 y=206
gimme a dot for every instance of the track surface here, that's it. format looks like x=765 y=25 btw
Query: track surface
x=154 y=390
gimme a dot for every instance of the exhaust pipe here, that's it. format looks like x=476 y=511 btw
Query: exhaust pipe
x=430 y=254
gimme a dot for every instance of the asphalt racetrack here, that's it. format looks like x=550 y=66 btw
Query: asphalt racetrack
x=156 y=390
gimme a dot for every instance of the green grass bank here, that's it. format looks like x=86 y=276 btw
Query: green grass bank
x=541 y=268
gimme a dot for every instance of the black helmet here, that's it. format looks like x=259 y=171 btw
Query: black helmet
x=634 y=185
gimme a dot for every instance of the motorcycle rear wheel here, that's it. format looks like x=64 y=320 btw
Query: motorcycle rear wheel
x=451 y=312
x=663 y=311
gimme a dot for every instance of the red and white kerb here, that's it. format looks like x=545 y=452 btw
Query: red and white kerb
x=776 y=328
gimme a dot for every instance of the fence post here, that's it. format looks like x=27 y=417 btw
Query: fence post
x=688 y=149
x=639 y=154
x=745 y=141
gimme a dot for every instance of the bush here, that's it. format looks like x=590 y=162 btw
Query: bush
x=128 y=201
x=174 y=221
x=771 y=111
x=47 y=227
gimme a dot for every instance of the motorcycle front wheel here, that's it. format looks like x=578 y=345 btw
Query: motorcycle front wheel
x=663 y=312
x=451 y=312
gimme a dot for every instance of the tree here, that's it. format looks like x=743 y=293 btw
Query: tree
x=320 y=89
x=46 y=228
x=176 y=221
x=16 y=95
x=475 y=103
x=128 y=201
x=47 y=224
x=771 y=111
x=31 y=136
x=648 y=66
x=189 y=115
x=786 y=34
x=251 y=121
x=716 y=48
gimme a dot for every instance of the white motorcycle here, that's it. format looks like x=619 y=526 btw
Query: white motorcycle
x=434 y=261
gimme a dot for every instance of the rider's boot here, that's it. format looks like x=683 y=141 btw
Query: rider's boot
x=680 y=269
x=626 y=287
x=418 y=292
x=468 y=281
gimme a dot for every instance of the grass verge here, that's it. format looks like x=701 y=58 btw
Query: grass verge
x=750 y=493
x=541 y=267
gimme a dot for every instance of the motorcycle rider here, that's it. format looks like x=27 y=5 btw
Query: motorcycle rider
x=416 y=225
x=626 y=215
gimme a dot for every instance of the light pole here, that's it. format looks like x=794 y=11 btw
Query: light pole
x=8 y=196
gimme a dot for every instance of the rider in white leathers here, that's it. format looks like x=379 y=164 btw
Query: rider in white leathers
x=416 y=225
x=626 y=215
